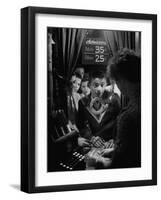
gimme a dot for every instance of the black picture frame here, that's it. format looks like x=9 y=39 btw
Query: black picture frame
x=28 y=91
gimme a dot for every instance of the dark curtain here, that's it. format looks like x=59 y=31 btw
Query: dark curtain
x=67 y=43
x=70 y=45
x=117 y=40
x=50 y=43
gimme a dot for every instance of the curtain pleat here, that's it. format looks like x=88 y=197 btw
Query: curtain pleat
x=72 y=50
x=50 y=80
x=79 y=40
x=72 y=40
x=68 y=48
x=63 y=39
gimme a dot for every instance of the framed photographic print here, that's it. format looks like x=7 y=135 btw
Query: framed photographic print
x=88 y=99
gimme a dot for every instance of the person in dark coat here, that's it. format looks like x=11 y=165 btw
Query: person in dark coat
x=125 y=69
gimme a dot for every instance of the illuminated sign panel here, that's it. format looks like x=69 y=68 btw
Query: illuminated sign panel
x=95 y=51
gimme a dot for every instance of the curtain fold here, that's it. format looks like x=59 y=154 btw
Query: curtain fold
x=68 y=45
x=50 y=75
x=72 y=40
x=117 y=40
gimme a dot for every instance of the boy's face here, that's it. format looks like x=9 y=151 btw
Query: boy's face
x=98 y=86
x=84 y=87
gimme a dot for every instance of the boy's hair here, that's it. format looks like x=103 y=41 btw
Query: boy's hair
x=126 y=64
x=85 y=78
x=97 y=74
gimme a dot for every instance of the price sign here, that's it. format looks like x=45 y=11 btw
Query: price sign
x=95 y=51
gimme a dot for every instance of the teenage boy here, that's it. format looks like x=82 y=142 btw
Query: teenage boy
x=97 y=112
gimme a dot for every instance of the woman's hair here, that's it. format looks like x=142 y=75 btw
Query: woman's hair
x=126 y=64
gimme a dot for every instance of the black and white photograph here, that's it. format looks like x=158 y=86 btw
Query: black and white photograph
x=93 y=99
x=79 y=100
x=88 y=99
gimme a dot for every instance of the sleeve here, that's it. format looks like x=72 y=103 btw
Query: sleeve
x=80 y=118
x=124 y=141
x=115 y=104
x=82 y=122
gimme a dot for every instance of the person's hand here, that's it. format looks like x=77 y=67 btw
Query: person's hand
x=97 y=141
x=109 y=144
x=106 y=162
x=83 y=142
x=107 y=152
x=93 y=158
